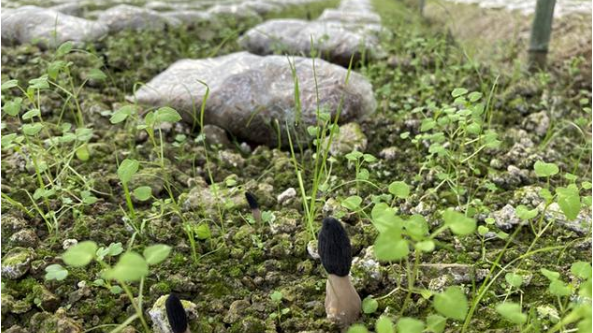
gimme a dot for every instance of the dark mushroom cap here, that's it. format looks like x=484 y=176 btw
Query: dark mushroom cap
x=334 y=247
x=251 y=200
x=176 y=314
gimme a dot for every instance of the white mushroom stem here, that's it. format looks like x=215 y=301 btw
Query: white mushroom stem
x=342 y=303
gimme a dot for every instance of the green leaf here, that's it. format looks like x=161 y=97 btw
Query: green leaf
x=384 y=325
x=32 y=129
x=96 y=74
x=156 y=253
x=130 y=267
x=458 y=92
x=143 y=193
x=31 y=113
x=543 y=169
x=55 y=272
x=551 y=275
x=83 y=153
x=410 y=325
x=276 y=296
x=64 y=49
x=80 y=254
x=524 y=213
x=369 y=305
x=122 y=114
x=474 y=96
x=166 y=114
x=427 y=124
x=436 y=323
x=459 y=224
x=127 y=169
x=559 y=288
x=39 y=83
x=354 y=155
x=357 y=328
x=203 y=231
x=115 y=249
x=511 y=312
x=13 y=107
x=399 y=189
x=416 y=227
x=569 y=201
x=9 y=84
x=352 y=203
x=384 y=218
x=482 y=230
x=389 y=246
x=581 y=269
x=514 y=280
x=452 y=303
x=425 y=246
x=369 y=158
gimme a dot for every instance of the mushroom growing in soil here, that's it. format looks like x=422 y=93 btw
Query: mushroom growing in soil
x=176 y=315
x=254 y=206
x=342 y=303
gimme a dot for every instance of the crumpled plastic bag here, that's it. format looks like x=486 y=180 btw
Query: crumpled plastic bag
x=253 y=97
x=336 y=42
x=47 y=28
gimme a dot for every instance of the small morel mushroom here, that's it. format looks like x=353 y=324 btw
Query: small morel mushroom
x=252 y=201
x=176 y=314
x=342 y=303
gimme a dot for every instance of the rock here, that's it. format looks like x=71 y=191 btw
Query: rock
x=231 y=159
x=505 y=218
x=285 y=197
x=236 y=311
x=126 y=17
x=349 y=16
x=389 y=153
x=152 y=177
x=581 y=225
x=260 y=7
x=48 y=28
x=158 y=314
x=336 y=42
x=10 y=225
x=7 y=303
x=216 y=136
x=537 y=123
x=234 y=14
x=47 y=300
x=285 y=223
x=73 y=9
x=17 y=262
x=68 y=243
x=16 y=329
x=45 y=322
x=250 y=96
x=312 y=250
x=25 y=237
x=366 y=271
x=441 y=275
x=349 y=138
x=202 y=196
x=190 y=17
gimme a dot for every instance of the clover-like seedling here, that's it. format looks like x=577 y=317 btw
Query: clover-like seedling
x=254 y=206
x=342 y=302
x=176 y=314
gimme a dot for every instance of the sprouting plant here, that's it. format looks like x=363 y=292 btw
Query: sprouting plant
x=131 y=267
x=276 y=297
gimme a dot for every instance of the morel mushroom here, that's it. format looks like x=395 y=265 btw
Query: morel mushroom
x=252 y=201
x=342 y=303
x=176 y=315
